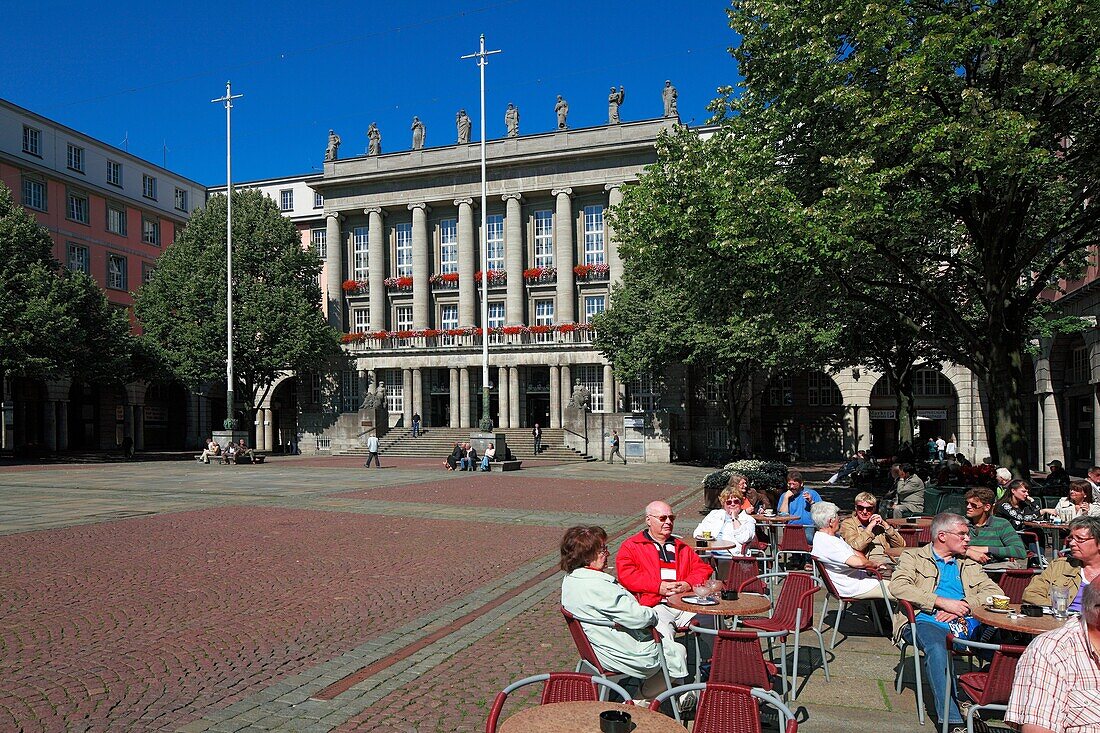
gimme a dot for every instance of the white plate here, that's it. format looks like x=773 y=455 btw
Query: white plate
x=696 y=600
x=998 y=610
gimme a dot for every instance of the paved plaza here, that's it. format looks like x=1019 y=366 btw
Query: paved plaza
x=311 y=594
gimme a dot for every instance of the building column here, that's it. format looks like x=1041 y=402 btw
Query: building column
x=418 y=392
x=452 y=394
x=503 y=397
x=464 y=397
x=513 y=397
x=467 y=263
x=139 y=427
x=513 y=258
x=376 y=268
x=614 y=263
x=334 y=270
x=49 y=424
x=555 y=397
x=566 y=390
x=863 y=427
x=407 y=398
x=1052 y=431
x=269 y=429
x=127 y=420
x=422 y=289
x=259 y=423
x=608 y=388
x=62 y=425
x=564 y=309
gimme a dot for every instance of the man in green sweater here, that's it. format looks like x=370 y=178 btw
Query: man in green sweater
x=993 y=541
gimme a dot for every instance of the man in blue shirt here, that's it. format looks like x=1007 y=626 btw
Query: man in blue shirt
x=797 y=501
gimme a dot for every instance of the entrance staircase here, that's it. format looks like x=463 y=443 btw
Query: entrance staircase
x=439 y=442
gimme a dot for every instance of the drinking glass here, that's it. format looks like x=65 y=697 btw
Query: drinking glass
x=701 y=591
x=1059 y=601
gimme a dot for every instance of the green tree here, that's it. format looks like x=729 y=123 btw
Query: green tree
x=277 y=320
x=973 y=124
x=53 y=322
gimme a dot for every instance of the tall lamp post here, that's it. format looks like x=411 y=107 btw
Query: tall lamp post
x=482 y=57
x=230 y=421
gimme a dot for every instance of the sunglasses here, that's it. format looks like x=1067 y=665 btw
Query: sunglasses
x=863 y=508
x=732 y=502
x=663 y=517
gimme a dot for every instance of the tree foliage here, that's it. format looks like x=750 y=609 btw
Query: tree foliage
x=277 y=321
x=53 y=322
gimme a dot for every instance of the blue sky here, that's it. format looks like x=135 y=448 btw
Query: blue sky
x=145 y=72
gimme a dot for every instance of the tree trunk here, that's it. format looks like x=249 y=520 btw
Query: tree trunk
x=1007 y=411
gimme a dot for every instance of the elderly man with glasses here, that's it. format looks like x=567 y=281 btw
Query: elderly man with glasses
x=1075 y=572
x=943 y=584
x=1057 y=682
x=867 y=532
x=654 y=565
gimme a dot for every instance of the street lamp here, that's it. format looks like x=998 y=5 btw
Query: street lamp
x=486 y=421
x=230 y=421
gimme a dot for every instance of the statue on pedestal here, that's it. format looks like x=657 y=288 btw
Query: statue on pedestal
x=613 y=101
x=511 y=120
x=562 y=110
x=374 y=137
x=668 y=96
x=375 y=398
x=462 y=122
x=333 y=149
x=581 y=397
x=418 y=133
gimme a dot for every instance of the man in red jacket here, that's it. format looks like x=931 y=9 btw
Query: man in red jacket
x=654 y=565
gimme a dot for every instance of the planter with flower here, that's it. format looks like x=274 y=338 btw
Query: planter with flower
x=496 y=277
x=540 y=275
x=447 y=280
x=356 y=287
x=398 y=283
x=592 y=272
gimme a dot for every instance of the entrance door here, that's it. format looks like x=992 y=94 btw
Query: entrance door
x=538 y=410
x=439 y=413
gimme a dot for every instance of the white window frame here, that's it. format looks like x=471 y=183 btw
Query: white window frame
x=120 y=219
x=591 y=378
x=403 y=250
x=32 y=140
x=117 y=277
x=494 y=241
x=448 y=319
x=318 y=200
x=149 y=186
x=544 y=238
x=319 y=239
x=181 y=199
x=360 y=319
x=544 y=316
x=286 y=199
x=593 y=306
x=402 y=318
x=395 y=389
x=643 y=394
x=495 y=313
x=147 y=270
x=76 y=207
x=114 y=173
x=150 y=230
x=77 y=254
x=349 y=390
x=35 y=193
x=448 y=246
x=359 y=245
x=595 y=253
x=74 y=158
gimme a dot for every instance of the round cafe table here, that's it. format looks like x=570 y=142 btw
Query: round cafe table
x=578 y=717
x=1053 y=533
x=714 y=545
x=747 y=604
x=1019 y=623
x=921 y=523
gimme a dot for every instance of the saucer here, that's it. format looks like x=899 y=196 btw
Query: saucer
x=998 y=610
x=696 y=600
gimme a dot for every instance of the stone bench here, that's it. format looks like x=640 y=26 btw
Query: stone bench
x=258 y=458
x=505 y=465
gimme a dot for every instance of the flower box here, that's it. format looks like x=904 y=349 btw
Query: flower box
x=496 y=277
x=534 y=275
x=592 y=272
x=354 y=287
x=446 y=280
x=398 y=283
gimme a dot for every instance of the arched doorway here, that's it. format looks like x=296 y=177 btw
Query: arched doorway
x=284 y=416
x=28 y=401
x=84 y=416
x=936 y=403
x=165 y=414
x=803 y=415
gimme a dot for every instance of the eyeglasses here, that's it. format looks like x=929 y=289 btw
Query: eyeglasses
x=732 y=502
x=662 y=518
x=1079 y=540
x=959 y=534
x=974 y=505
x=864 y=508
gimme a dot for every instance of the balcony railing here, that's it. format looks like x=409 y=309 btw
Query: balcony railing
x=509 y=336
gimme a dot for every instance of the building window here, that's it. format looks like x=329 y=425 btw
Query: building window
x=114 y=173
x=448 y=319
x=150 y=231
x=181 y=199
x=496 y=320
x=544 y=238
x=286 y=200
x=395 y=389
x=717 y=438
x=823 y=390
x=318 y=238
x=931 y=383
x=32 y=140
x=359 y=250
x=349 y=390
x=75 y=158
x=593 y=235
x=591 y=378
x=448 y=246
x=643 y=394
x=544 y=316
x=360 y=318
x=116 y=272
x=77 y=207
x=149 y=187
x=116 y=219
x=34 y=193
x=1078 y=366
x=781 y=392
x=315 y=388
x=494 y=241
x=403 y=318
x=404 y=259
x=147 y=270
x=318 y=201
x=593 y=306
x=77 y=259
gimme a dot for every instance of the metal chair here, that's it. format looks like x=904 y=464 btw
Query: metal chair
x=793 y=614
x=793 y=543
x=741 y=571
x=726 y=708
x=1031 y=540
x=906 y=608
x=830 y=590
x=1014 y=583
x=915 y=536
x=737 y=659
x=559 y=687
x=988 y=689
x=591 y=661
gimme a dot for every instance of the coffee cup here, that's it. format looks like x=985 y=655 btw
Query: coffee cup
x=615 y=721
x=999 y=603
x=769 y=513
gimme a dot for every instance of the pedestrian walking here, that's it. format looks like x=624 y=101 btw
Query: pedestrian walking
x=416 y=425
x=372 y=452
x=615 y=448
x=537 y=435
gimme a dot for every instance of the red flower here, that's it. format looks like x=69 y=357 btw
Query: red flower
x=582 y=270
x=430 y=332
x=405 y=334
x=513 y=330
x=567 y=327
x=540 y=329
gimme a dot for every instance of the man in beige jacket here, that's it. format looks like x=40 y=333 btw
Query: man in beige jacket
x=867 y=532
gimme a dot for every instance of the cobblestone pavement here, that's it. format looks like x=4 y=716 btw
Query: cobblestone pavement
x=315 y=595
